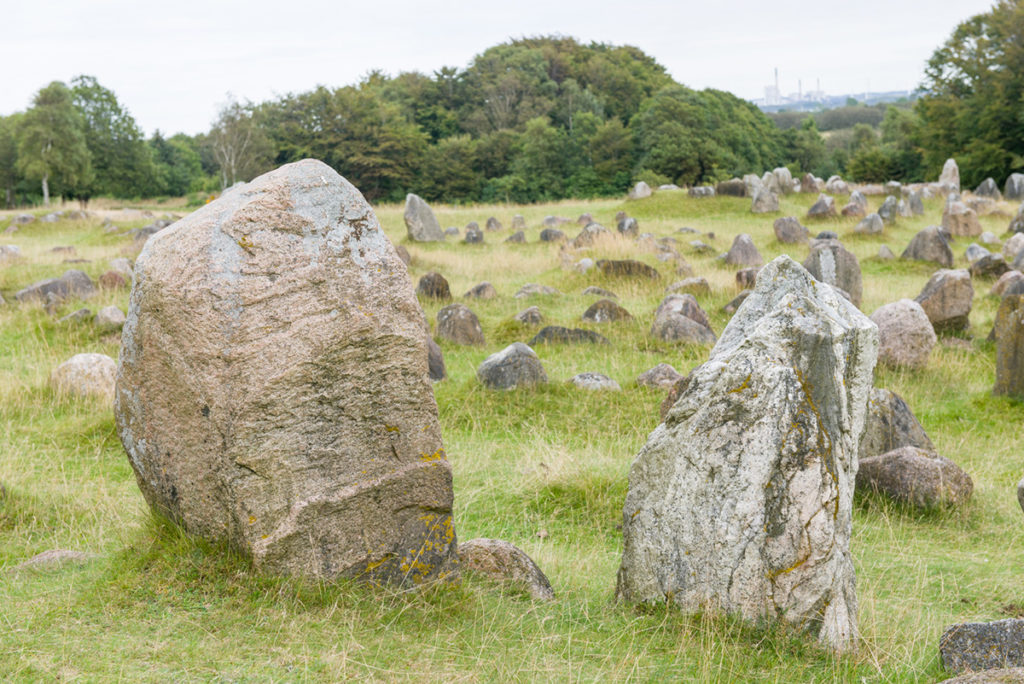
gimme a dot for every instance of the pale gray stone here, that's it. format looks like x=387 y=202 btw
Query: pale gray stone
x=531 y=315
x=930 y=244
x=832 y=263
x=1014 y=189
x=949 y=179
x=825 y=207
x=457 y=323
x=741 y=500
x=890 y=424
x=743 y=252
x=974 y=252
x=837 y=186
x=905 y=334
x=988 y=188
x=517 y=365
x=595 y=382
x=888 y=211
x=420 y=222
x=85 y=375
x=915 y=476
x=640 y=191
x=763 y=201
x=110 y=318
x=960 y=221
x=789 y=231
x=871 y=224
x=532 y=289
x=663 y=376
x=72 y=283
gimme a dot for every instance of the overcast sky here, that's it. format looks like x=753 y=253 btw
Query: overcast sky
x=172 y=64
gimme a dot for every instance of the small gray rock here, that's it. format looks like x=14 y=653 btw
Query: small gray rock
x=595 y=382
x=743 y=252
x=662 y=376
x=557 y=334
x=434 y=286
x=420 y=222
x=871 y=224
x=516 y=238
x=531 y=289
x=947 y=298
x=825 y=207
x=763 y=201
x=697 y=286
x=789 y=231
x=890 y=424
x=483 y=290
x=600 y=292
x=604 y=311
x=551 y=235
x=517 y=365
x=530 y=316
x=110 y=318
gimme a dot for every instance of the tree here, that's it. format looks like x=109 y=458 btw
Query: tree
x=121 y=162
x=52 y=141
x=9 y=156
x=178 y=167
x=239 y=145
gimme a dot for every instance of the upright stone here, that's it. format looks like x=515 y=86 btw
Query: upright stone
x=742 y=499
x=988 y=188
x=420 y=221
x=832 y=263
x=929 y=244
x=788 y=230
x=949 y=179
x=825 y=207
x=888 y=211
x=959 y=220
x=1014 y=189
x=763 y=201
x=640 y=191
x=743 y=252
x=273 y=391
x=947 y=298
x=1009 y=334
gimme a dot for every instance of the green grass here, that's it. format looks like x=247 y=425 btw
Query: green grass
x=545 y=469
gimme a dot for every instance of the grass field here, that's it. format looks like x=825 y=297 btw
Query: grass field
x=545 y=469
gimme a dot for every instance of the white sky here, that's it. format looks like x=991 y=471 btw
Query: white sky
x=172 y=64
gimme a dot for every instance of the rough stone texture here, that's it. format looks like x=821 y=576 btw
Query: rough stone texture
x=628 y=227
x=675 y=327
x=604 y=311
x=746 y=278
x=1010 y=675
x=457 y=323
x=949 y=179
x=662 y=376
x=493 y=224
x=947 y=299
x=71 y=284
x=734 y=187
x=640 y=191
x=789 y=231
x=890 y=424
x=505 y=562
x=517 y=365
x=784 y=178
x=825 y=207
x=551 y=235
x=531 y=289
x=811 y=184
x=832 y=263
x=871 y=224
x=1013 y=246
x=1014 y=189
x=974 y=252
x=742 y=499
x=436 y=370
x=1005 y=281
x=557 y=334
x=110 y=318
x=959 y=220
x=905 y=334
x=853 y=210
x=752 y=182
x=627 y=268
x=915 y=476
x=517 y=238
x=763 y=201
x=434 y=286
x=420 y=222
x=697 y=286
x=930 y=244
x=273 y=388
x=685 y=305
x=983 y=645
x=482 y=290
x=989 y=266
x=743 y=252
x=531 y=315
x=85 y=375
x=402 y=253
x=1008 y=332
x=591 y=235
x=988 y=188
x=595 y=382
x=474 y=236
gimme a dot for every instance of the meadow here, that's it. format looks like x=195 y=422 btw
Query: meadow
x=544 y=468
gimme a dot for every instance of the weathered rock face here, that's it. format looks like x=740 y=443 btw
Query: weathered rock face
x=531 y=315
x=514 y=366
x=788 y=230
x=596 y=382
x=590 y=235
x=743 y=252
x=679 y=318
x=557 y=334
x=949 y=179
x=640 y=191
x=947 y=299
x=457 y=323
x=420 y=221
x=1005 y=281
x=474 y=236
x=1014 y=188
x=662 y=376
x=989 y=266
x=482 y=290
x=888 y=211
x=551 y=235
x=1013 y=246
x=433 y=285
x=890 y=424
x=273 y=391
x=734 y=187
x=628 y=227
x=811 y=184
x=905 y=334
x=959 y=220
x=983 y=645
x=71 y=284
x=988 y=188
x=85 y=375
x=505 y=562
x=784 y=179
x=825 y=207
x=1009 y=335
x=110 y=318
x=742 y=499
x=763 y=200
x=871 y=224
x=832 y=263
x=493 y=224
x=930 y=244
x=917 y=477
x=604 y=311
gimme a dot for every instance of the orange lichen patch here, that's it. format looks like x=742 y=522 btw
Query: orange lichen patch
x=745 y=385
x=436 y=456
x=252 y=519
x=391 y=428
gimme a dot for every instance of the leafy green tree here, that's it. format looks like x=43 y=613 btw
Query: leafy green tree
x=240 y=146
x=806 y=149
x=542 y=163
x=9 y=157
x=121 y=161
x=974 y=87
x=178 y=166
x=51 y=146
x=610 y=152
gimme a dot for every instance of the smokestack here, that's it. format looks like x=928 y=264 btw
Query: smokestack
x=776 y=78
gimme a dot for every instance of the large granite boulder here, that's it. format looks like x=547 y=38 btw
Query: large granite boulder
x=85 y=375
x=949 y=179
x=915 y=476
x=457 y=323
x=763 y=201
x=930 y=244
x=1009 y=336
x=825 y=207
x=742 y=499
x=789 y=231
x=832 y=263
x=905 y=334
x=72 y=283
x=959 y=220
x=514 y=366
x=983 y=646
x=420 y=222
x=890 y=424
x=947 y=298
x=988 y=188
x=273 y=389
x=743 y=252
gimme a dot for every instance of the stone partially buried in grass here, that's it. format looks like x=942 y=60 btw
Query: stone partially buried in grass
x=556 y=334
x=595 y=382
x=86 y=375
x=72 y=283
x=517 y=365
x=457 y=323
x=742 y=499
x=605 y=311
x=905 y=334
x=505 y=562
x=917 y=477
x=273 y=392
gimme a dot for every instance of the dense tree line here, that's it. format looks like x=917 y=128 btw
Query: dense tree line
x=531 y=120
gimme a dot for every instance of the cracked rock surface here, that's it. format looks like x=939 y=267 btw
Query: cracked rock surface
x=741 y=500
x=273 y=392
